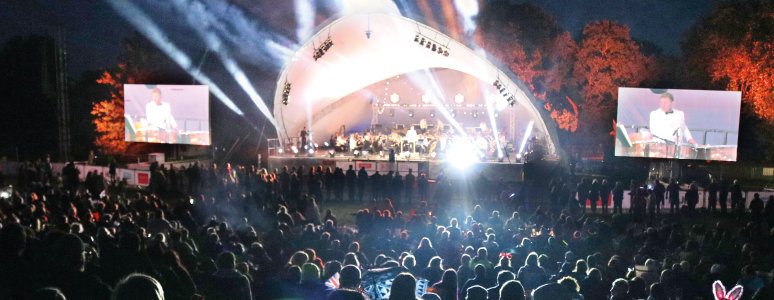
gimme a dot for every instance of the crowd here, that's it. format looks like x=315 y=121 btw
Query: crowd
x=212 y=232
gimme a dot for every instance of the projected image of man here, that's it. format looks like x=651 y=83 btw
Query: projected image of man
x=159 y=114
x=668 y=124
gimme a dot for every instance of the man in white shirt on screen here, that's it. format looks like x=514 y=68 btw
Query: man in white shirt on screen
x=159 y=114
x=668 y=124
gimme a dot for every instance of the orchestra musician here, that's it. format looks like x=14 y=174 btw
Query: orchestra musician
x=411 y=139
x=418 y=141
x=159 y=117
x=422 y=126
x=668 y=124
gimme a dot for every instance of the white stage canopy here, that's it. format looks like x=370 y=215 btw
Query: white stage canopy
x=341 y=86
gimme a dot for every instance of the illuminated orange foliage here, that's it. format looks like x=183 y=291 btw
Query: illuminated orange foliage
x=734 y=48
x=747 y=67
x=607 y=59
x=530 y=43
x=109 y=114
x=566 y=120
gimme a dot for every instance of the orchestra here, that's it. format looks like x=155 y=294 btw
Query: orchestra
x=424 y=140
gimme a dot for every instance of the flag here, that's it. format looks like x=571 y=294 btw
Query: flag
x=333 y=282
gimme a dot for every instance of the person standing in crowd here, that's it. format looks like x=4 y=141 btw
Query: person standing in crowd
x=604 y=192
x=712 y=198
x=594 y=194
x=410 y=183
x=351 y=182
x=674 y=196
x=737 y=200
x=618 y=195
x=723 y=198
x=422 y=186
x=658 y=190
x=692 y=197
x=362 y=181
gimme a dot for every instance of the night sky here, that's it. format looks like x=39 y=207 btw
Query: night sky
x=94 y=30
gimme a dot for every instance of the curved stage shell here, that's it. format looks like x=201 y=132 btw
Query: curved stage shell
x=356 y=83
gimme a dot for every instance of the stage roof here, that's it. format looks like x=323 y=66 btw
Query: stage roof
x=356 y=62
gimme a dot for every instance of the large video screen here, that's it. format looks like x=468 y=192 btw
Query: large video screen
x=678 y=124
x=169 y=114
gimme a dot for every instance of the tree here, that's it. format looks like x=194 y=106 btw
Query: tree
x=607 y=59
x=142 y=63
x=530 y=42
x=109 y=113
x=734 y=49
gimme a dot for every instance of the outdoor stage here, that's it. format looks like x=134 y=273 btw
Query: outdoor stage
x=492 y=169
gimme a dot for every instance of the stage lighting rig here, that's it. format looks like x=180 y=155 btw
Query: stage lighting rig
x=504 y=92
x=430 y=44
x=286 y=93
x=326 y=45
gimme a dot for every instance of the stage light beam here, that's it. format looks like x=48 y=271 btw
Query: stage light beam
x=153 y=32
x=527 y=133
x=468 y=9
x=199 y=19
x=305 y=14
x=490 y=109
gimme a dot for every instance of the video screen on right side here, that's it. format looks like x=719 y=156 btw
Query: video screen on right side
x=678 y=124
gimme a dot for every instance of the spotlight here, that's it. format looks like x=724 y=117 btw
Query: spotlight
x=433 y=154
x=432 y=114
x=422 y=42
x=286 y=93
x=311 y=151
x=316 y=145
x=411 y=113
x=295 y=149
x=500 y=158
x=280 y=150
x=381 y=153
x=475 y=114
x=319 y=52
x=356 y=152
x=518 y=156
x=440 y=50
x=433 y=49
x=446 y=53
x=428 y=45
x=331 y=153
x=326 y=144
x=306 y=147
x=454 y=113
x=461 y=155
x=416 y=38
x=512 y=100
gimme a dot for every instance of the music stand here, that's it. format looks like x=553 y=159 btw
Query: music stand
x=130 y=129
x=622 y=136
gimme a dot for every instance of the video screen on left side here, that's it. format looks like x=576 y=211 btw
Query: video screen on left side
x=167 y=114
